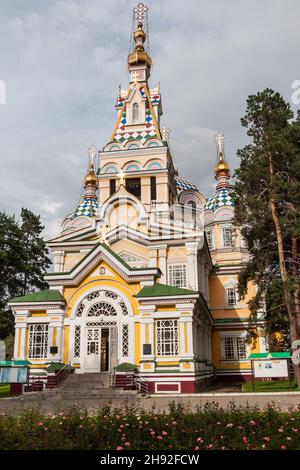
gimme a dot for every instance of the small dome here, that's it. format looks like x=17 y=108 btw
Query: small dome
x=223 y=197
x=89 y=207
x=183 y=185
x=91 y=178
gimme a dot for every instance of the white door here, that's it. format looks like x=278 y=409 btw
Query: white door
x=93 y=338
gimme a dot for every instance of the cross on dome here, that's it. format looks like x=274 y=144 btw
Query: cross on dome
x=92 y=153
x=219 y=138
x=140 y=11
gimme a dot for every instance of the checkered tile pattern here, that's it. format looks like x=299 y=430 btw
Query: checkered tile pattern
x=89 y=207
x=223 y=197
x=123 y=136
x=182 y=185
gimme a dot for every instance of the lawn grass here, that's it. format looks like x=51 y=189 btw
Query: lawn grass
x=4 y=391
x=271 y=386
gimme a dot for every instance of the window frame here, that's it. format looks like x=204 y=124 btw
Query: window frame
x=239 y=343
x=226 y=243
x=229 y=290
x=166 y=347
x=171 y=275
x=32 y=344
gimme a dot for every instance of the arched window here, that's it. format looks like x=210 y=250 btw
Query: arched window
x=155 y=166
x=192 y=204
x=110 y=169
x=132 y=168
x=135 y=113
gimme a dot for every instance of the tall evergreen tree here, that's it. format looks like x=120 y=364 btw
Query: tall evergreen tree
x=23 y=261
x=268 y=210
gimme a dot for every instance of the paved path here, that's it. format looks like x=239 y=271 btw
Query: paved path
x=285 y=401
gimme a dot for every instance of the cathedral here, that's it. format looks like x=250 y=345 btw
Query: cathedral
x=145 y=268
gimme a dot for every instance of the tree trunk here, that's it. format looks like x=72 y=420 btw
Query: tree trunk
x=294 y=318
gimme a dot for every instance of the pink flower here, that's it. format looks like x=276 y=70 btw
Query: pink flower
x=127 y=444
x=280 y=430
x=266 y=439
x=263 y=446
x=164 y=433
x=159 y=438
x=282 y=447
x=288 y=438
x=245 y=440
x=199 y=439
x=229 y=425
x=152 y=433
x=210 y=446
x=174 y=423
x=40 y=424
x=252 y=423
x=196 y=448
x=119 y=448
x=222 y=448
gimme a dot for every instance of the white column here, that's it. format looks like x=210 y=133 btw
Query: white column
x=192 y=265
x=56 y=318
x=147 y=361
x=20 y=334
x=162 y=261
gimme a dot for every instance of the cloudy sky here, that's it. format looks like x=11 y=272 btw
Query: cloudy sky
x=63 y=60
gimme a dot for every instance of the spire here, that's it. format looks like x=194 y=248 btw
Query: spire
x=222 y=168
x=91 y=180
x=139 y=61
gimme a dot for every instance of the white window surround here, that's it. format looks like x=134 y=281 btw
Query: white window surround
x=231 y=297
x=227 y=236
x=167 y=343
x=124 y=317
x=38 y=341
x=231 y=293
x=235 y=337
x=177 y=275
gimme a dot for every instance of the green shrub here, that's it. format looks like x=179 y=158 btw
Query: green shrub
x=126 y=366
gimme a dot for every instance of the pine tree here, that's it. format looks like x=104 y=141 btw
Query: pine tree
x=268 y=210
x=23 y=261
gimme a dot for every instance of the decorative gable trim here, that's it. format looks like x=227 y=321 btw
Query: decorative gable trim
x=102 y=253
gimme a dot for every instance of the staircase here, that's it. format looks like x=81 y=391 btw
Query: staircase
x=81 y=388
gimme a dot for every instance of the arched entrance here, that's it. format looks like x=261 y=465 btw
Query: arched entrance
x=102 y=331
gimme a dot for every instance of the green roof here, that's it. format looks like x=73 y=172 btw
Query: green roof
x=47 y=295
x=272 y=355
x=163 y=290
x=14 y=363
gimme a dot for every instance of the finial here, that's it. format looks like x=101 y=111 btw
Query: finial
x=222 y=167
x=91 y=180
x=139 y=60
x=219 y=138
x=92 y=153
x=140 y=11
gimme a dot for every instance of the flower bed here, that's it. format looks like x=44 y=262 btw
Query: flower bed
x=208 y=428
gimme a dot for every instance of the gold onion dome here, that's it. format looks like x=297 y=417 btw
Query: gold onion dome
x=139 y=55
x=221 y=166
x=91 y=177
